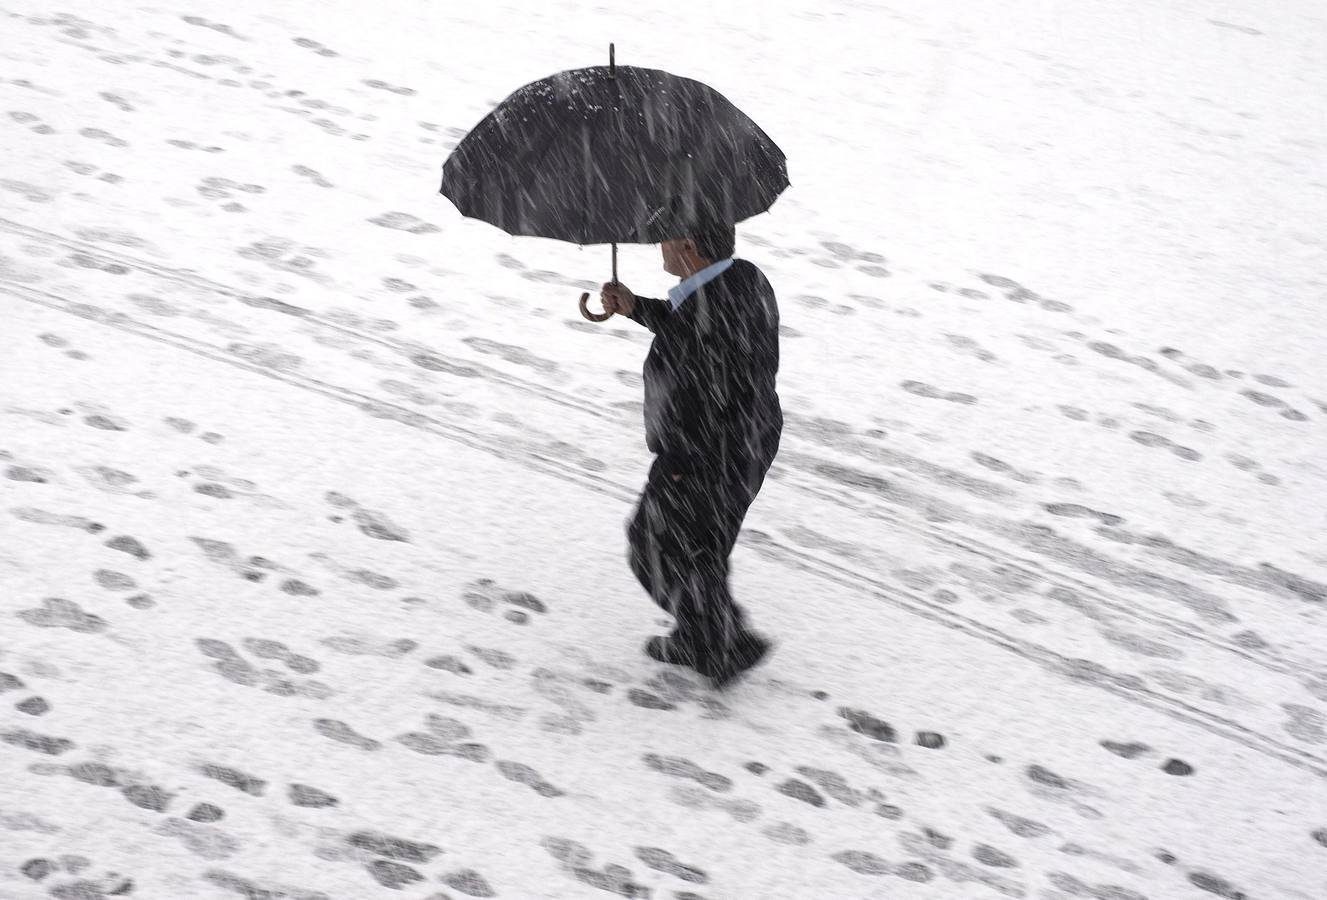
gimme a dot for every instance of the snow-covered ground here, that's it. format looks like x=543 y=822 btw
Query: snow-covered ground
x=311 y=531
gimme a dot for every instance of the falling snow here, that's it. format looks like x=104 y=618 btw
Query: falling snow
x=317 y=494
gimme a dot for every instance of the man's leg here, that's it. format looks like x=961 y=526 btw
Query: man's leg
x=638 y=546
x=721 y=622
x=656 y=558
x=653 y=547
x=703 y=538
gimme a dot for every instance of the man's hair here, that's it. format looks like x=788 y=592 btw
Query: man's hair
x=715 y=242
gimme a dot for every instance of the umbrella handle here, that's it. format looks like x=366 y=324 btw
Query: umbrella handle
x=593 y=317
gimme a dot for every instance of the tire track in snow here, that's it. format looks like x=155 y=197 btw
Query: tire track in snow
x=805 y=478
x=806 y=481
x=1031 y=651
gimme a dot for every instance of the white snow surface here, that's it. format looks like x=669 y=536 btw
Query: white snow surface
x=313 y=577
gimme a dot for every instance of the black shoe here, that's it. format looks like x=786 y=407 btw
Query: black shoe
x=750 y=653
x=669 y=650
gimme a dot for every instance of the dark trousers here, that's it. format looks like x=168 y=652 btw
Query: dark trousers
x=680 y=539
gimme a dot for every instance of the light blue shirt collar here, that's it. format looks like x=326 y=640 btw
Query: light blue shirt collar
x=685 y=288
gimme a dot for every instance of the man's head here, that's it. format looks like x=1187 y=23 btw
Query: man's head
x=685 y=257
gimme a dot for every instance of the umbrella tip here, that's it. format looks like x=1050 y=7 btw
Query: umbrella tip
x=612 y=62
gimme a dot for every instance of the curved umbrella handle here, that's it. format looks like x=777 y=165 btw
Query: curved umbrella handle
x=593 y=317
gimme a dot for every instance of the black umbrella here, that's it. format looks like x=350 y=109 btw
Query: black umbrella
x=614 y=154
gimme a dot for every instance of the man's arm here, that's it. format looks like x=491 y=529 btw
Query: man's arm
x=651 y=313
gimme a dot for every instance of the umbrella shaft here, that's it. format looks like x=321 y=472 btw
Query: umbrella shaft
x=615 y=264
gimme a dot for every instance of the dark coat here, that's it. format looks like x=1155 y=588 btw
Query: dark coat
x=710 y=399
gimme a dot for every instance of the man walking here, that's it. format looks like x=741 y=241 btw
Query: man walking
x=713 y=421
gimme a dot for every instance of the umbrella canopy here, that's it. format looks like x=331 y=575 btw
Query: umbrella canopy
x=614 y=154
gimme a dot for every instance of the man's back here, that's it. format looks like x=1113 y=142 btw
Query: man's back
x=710 y=377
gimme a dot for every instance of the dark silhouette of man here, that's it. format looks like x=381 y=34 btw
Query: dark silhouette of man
x=713 y=421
